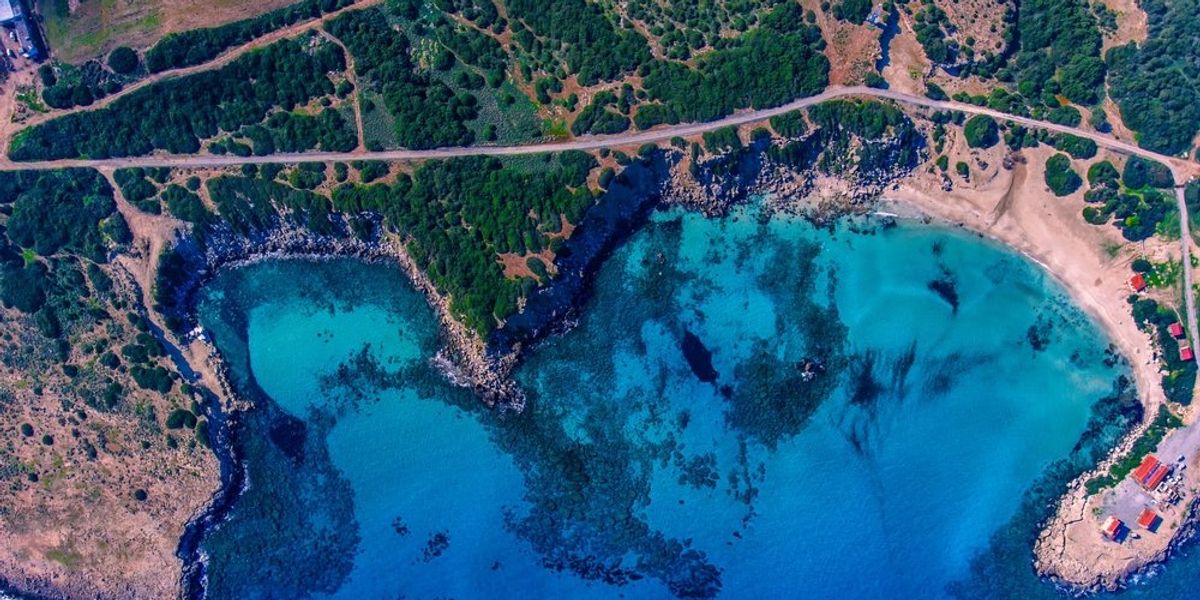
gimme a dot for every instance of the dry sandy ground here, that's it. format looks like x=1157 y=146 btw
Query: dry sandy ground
x=1132 y=24
x=907 y=65
x=79 y=532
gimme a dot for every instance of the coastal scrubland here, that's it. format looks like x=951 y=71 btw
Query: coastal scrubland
x=178 y=114
x=105 y=446
x=458 y=76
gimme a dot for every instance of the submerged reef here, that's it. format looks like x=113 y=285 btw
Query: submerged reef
x=698 y=357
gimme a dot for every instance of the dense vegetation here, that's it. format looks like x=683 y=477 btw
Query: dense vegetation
x=883 y=138
x=293 y=132
x=1077 y=147
x=176 y=114
x=778 y=62
x=854 y=11
x=981 y=132
x=59 y=222
x=1058 y=52
x=458 y=215
x=196 y=46
x=1180 y=377
x=123 y=60
x=930 y=25
x=66 y=85
x=427 y=112
x=596 y=117
x=685 y=28
x=1141 y=172
x=588 y=41
x=1137 y=212
x=1157 y=85
x=253 y=204
x=1060 y=177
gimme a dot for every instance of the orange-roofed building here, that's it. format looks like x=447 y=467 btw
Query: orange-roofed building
x=1149 y=520
x=1112 y=527
x=1137 y=282
x=1143 y=471
x=1176 y=329
x=1186 y=354
x=1156 y=476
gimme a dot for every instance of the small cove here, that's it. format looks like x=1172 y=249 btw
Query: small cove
x=845 y=429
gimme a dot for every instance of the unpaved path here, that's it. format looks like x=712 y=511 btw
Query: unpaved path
x=1182 y=170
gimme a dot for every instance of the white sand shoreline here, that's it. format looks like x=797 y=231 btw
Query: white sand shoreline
x=1092 y=263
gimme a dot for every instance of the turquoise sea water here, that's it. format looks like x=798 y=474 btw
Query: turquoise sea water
x=890 y=411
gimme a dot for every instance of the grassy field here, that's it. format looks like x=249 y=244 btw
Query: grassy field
x=98 y=26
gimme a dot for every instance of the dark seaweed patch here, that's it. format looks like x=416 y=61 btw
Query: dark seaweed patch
x=698 y=357
x=945 y=288
x=288 y=434
x=944 y=372
x=865 y=389
x=435 y=546
x=901 y=367
x=1039 y=334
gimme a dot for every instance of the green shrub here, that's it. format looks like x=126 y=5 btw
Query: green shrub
x=181 y=418
x=981 y=132
x=1077 y=147
x=1094 y=215
x=790 y=125
x=1065 y=115
x=1060 y=177
x=123 y=60
x=1140 y=172
x=1103 y=174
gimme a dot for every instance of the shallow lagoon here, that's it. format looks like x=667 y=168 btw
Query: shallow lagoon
x=946 y=378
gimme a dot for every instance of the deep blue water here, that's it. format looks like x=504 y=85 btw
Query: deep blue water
x=858 y=415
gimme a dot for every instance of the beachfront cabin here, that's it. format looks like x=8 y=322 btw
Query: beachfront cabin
x=1176 y=329
x=1113 y=529
x=1150 y=472
x=1186 y=354
x=1138 y=282
x=1149 y=520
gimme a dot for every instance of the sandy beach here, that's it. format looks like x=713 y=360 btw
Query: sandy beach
x=1014 y=207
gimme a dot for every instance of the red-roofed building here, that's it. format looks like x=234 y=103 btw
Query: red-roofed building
x=1186 y=354
x=1149 y=520
x=1112 y=528
x=1143 y=471
x=1156 y=476
x=1137 y=282
x=1176 y=329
